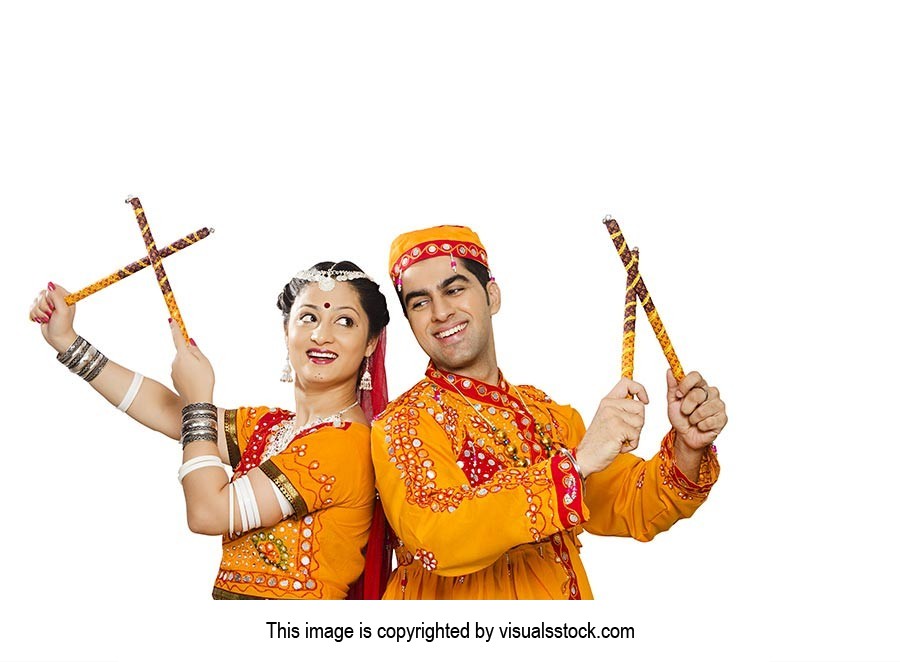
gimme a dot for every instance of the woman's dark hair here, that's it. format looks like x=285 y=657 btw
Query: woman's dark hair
x=373 y=302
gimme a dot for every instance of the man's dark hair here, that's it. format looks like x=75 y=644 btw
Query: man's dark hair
x=482 y=275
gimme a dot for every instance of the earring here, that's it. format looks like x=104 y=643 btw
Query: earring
x=287 y=372
x=365 y=382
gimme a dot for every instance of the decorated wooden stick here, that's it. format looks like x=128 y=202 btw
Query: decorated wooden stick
x=156 y=261
x=634 y=276
x=136 y=266
x=630 y=319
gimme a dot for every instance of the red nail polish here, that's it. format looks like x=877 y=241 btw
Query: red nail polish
x=193 y=343
x=170 y=320
x=51 y=286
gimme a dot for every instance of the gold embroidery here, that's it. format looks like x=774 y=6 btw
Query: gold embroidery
x=231 y=438
x=287 y=489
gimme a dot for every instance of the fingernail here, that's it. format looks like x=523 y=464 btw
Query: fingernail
x=193 y=343
x=170 y=320
x=45 y=320
x=679 y=394
x=51 y=286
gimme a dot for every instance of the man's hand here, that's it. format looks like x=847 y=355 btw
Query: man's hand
x=695 y=411
x=616 y=427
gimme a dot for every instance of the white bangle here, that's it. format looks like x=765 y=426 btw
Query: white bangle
x=200 y=462
x=230 y=510
x=286 y=508
x=132 y=392
x=241 y=501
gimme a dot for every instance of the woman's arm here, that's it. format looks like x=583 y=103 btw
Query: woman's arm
x=153 y=405
x=215 y=505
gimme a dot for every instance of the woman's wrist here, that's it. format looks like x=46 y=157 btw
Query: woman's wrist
x=63 y=342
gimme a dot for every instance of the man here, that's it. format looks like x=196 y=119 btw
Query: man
x=487 y=484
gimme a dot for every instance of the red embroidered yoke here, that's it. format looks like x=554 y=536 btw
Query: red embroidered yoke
x=326 y=475
x=473 y=525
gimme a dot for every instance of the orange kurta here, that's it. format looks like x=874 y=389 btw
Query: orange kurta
x=326 y=475
x=472 y=525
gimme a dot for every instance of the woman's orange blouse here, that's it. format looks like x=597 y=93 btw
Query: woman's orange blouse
x=326 y=475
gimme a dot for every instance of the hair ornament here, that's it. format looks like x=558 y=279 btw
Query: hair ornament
x=330 y=277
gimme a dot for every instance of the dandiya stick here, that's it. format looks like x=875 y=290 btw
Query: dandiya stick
x=136 y=266
x=156 y=261
x=635 y=277
x=630 y=320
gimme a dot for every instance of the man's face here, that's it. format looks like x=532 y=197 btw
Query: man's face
x=450 y=315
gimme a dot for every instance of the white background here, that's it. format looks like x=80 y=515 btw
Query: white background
x=751 y=152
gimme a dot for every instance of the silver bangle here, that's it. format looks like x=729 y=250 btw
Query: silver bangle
x=87 y=363
x=83 y=359
x=198 y=436
x=199 y=422
x=65 y=356
x=204 y=406
x=571 y=457
x=78 y=355
x=97 y=369
x=199 y=415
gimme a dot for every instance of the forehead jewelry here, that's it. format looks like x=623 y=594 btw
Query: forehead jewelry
x=328 y=304
x=330 y=277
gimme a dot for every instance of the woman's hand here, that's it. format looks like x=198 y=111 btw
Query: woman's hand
x=192 y=373
x=50 y=310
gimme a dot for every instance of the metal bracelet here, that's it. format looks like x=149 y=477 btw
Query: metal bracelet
x=205 y=435
x=90 y=362
x=571 y=457
x=78 y=355
x=205 y=424
x=64 y=356
x=198 y=405
x=84 y=360
x=198 y=415
x=190 y=440
x=97 y=369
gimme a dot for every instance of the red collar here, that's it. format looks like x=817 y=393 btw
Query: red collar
x=475 y=390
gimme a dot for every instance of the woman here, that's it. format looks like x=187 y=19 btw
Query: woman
x=296 y=514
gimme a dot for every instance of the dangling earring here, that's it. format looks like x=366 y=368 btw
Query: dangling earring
x=365 y=382
x=287 y=372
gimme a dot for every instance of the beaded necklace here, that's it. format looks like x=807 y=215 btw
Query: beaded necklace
x=287 y=433
x=499 y=435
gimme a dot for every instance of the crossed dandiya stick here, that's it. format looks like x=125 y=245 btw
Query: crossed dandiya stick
x=635 y=289
x=154 y=258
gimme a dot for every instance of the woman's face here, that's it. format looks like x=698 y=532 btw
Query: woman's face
x=327 y=336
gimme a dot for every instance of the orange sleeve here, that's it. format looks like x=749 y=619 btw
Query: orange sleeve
x=452 y=525
x=330 y=467
x=639 y=498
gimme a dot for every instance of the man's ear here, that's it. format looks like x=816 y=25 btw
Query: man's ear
x=493 y=291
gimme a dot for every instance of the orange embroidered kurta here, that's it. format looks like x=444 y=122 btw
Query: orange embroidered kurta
x=473 y=525
x=326 y=475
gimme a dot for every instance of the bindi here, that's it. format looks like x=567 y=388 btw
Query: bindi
x=327 y=305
